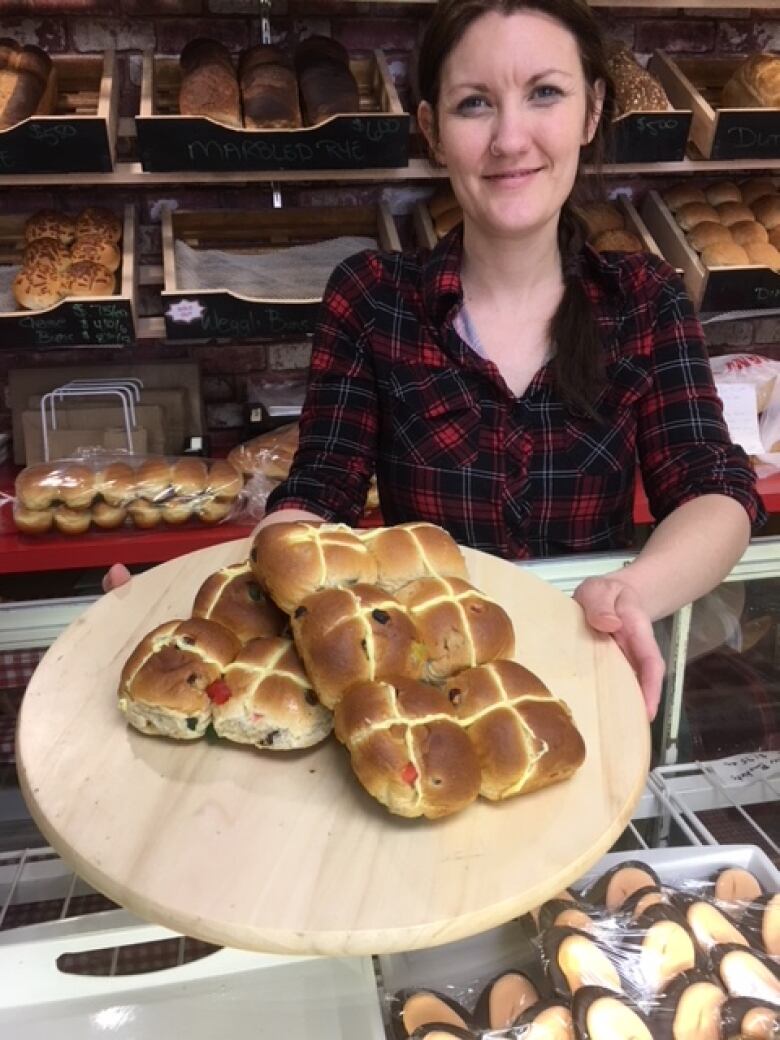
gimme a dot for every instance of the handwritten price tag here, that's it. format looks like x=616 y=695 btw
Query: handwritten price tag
x=748 y=768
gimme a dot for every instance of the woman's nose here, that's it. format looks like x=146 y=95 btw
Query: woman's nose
x=511 y=131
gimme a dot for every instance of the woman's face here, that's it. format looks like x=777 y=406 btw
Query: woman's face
x=511 y=118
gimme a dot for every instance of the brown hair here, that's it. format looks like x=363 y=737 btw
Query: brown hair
x=577 y=365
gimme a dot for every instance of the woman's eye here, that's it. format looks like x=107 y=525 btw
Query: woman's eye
x=546 y=92
x=473 y=103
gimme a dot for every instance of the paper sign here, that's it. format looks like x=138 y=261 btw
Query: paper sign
x=748 y=768
x=741 y=415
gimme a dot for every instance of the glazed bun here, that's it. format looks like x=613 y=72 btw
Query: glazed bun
x=107 y=516
x=39 y=286
x=755 y=188
x=86 y=278
x=459 y=626
x=763 y=253
x=618 y=242
x=407 y=552
x=356 y=634
x=98 y=250
x=407 y=748
x=733 y=212
x=49 y=223
x=168 y=682
x=767 y=210
x=682 y=195
x=71 y=521
x=32 y=521
x=693 y=213
x=37 y=487
x=745 y=232
x=602 y=216
x=724 y=254
x=224 y=480
x=77 y=485
x=46 y=251
x=271 y=703
x=95 y=220
x=153 y=480
x=144 y=514
x=232 y=598
x=708 y=233
x=116 y=483
x=189 y=477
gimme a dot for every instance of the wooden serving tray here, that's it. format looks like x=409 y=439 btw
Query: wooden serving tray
x=286 y=853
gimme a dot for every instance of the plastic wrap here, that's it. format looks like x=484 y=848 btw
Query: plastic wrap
x=760 y=374
x=100 y=491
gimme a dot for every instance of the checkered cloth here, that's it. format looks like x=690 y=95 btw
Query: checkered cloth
x=17 y=666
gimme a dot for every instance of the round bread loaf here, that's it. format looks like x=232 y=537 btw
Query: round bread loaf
x=316 y=50
x=524 y=737
x=746 y=231
x=328 y=90
x=682 y=195
x=153 y=480
x=356 y=634
x=223 y=480
x=144 y=514
x=50 y=223
x=107 y=516
x=209 y=84
x=724 y=254
x=708 y=233
x=270 y=97
x=618 y=242
x=271 y=703
x=767 y=210
x=168 y=682
x=32 y=521
x=72 y=521
x=96 y=220
x=116 y=483
x=39 y=286
x=407 y=748
x=202 y=50
x=189 y=477
x=722 y=191
x=444 y=223
x=38 y=486
x=733 y=212
x=693 y=213
x=755 y=188
x=407 y=552
x=232 y=598
x=763 y=253
x=98 y=249
x=77 y=485
x=459 y=626
x=47 y=251
x=86 y=278
x=292 y=560
x=602 y=216
x=213 y=510
x=176 y=510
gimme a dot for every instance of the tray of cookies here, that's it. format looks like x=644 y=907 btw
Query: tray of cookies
x=725 y=237
x=67 y=279
x=261 y=272
x=58 y=114
x=353 y=727
x=311 y=108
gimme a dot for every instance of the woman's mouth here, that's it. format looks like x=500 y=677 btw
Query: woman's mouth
x=510 y=176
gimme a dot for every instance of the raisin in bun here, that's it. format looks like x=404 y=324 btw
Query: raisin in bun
x=50 y=223
x=269 y=701
x=733 y=212
x=95 y=220
x=722 y=191
x=524 y=737
x=459 y=626
x=356 y=634
x=116 y=483
x=407 y=748
x=767 y=211
x=77 y=485
x=708 y=233
x=682 y=195
x=86 y=278
x=763 y=253
x=745 y=232
x=693 y=213
x=292 y=560
x=72 y=521
x=38 y=486
x=107 y=516
x=618 y=242
x=46 y=250
x=232 y=598
x=98 y=249
x=724 y=254
x=407 y=552
x=168 y=682
x=39 y=286
x=32 y=521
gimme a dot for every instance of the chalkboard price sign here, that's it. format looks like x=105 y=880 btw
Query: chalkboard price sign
x=172 y=143
x=220 y=315
x=78 y=144
x=91 y=323
x=747 y=134
x=756 y=288
x=650 y=137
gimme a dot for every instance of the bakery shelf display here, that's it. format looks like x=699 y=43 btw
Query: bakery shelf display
x=735 y=104
x=73 y=127
x=374 y=136
x=720 y=274
x=259 y=273
x=67 y=279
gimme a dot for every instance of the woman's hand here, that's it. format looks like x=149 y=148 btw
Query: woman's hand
x=116 y=576
x=612 y=606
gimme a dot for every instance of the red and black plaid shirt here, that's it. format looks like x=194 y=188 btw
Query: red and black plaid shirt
x=393 y=388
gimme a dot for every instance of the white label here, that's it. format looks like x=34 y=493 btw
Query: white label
x=741 y=414
x=748 y=768
x=185 y=311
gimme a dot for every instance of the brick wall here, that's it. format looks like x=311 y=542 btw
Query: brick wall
x=131 y=26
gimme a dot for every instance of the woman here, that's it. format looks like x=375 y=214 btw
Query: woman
x=505 y=385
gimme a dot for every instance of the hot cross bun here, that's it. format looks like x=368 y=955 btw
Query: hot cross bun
x=410 y=551
x=233 y=598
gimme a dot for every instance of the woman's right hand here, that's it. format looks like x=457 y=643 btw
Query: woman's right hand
x=116 y=576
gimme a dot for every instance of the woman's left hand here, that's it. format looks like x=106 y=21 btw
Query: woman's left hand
x=612 y=606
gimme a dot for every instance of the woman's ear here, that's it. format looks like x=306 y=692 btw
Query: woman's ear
x=597 y=94
x=426 y=120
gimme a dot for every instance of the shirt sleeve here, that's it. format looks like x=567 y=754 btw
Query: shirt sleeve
x=684 y=446
x=332 y=467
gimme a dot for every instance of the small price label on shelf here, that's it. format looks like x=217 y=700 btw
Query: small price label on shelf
x=749 y=768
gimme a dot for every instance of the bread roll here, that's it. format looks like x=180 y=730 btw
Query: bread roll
x=746 y=231
x=116 y=483
x=168 y=682
x=107 y=516
x=754 y=84
x=144 y=514
x=38 y=487
x=602 y=216
x=327 y=85
x=46 y=251
x=268 y=89
x=693 y=213
x=77 y=486
x=733 y=212
x=708 y=233
x=411 y=551
x=232 y=598
x=459 y=626
x=50 y=223
x=756 y=187
x=724 y=254
x=153 y=480
x=223 y=480
x=407 y=748
x=524 y=737
x=618 y=242
x=189 y=477
x=97 y=220
x=209 y=85
x=32 y=521
x=85 y=278
x=24 y=77
x=355 y=634
x=767 y=211
x=98 y=250
x=271 y=702
x=176 y=510
x=722 y=191
x=682 y=195
x=443 y=224
x=292 y=560
x=39 y=286
x=71 y=521
x=763 y=253
x=213 y=510
x=774 y=237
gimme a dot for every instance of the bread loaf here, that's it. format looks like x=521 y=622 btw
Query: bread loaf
x=618 y=242
x=27 y=82
x=326 y=83
x=209 y=85
x=754 y=84
x=636 y=90
x=232 y=598
x=407 y=552
x=269 y=701
x=270 y=453
x=268 y=89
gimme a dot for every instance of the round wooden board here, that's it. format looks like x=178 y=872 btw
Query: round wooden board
x=285 y=852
